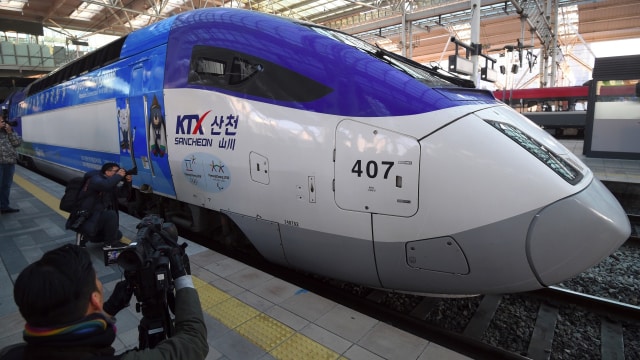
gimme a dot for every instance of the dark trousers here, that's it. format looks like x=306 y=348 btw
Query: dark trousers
x=108 y=227
x=6 y=179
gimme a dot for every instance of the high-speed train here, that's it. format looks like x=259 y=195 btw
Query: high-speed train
x=329 y=154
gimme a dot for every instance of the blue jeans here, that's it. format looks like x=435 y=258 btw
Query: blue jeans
x=6 y=179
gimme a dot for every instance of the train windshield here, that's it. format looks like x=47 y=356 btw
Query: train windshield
x=431 y=76
x=556 y=163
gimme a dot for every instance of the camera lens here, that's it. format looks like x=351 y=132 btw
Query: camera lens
x=129 y=260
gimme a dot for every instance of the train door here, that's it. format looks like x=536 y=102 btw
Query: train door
x=143 y=132
x=376 y=170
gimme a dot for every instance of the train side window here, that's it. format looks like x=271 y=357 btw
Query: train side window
x=206 y=70
x=250 y=75
x=242 y=69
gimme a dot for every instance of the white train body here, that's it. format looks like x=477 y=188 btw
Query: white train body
x=465 y=197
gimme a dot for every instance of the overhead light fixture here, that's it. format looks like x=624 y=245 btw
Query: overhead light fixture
x=460 y=65
x=77 y=42
x=488 y=73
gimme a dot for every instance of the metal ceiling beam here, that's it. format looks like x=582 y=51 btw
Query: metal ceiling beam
x=534 y=14
x=417 y=15
x=55 y=7
x=122 y=8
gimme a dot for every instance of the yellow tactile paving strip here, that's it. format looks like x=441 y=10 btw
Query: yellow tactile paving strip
x=265 y=331
x=48 y=199
x=276 y=338
x=301 y=347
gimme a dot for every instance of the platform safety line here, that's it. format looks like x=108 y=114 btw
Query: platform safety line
x=40 y=194
x=276 y=338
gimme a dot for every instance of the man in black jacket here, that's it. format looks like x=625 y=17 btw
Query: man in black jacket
x=99 y=196
x=61 y=300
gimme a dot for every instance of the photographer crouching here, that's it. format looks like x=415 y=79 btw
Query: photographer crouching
x=99 y=196
x=61 y=299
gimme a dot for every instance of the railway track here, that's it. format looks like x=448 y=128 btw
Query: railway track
x=634 y=219
x=611 y=315
x=472 y=340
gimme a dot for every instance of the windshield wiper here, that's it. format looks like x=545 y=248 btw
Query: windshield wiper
x=433 y=70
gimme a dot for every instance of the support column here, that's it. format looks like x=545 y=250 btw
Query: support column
x=554 y=44
x=475 y=39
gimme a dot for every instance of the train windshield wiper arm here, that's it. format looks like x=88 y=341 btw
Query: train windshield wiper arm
x=433 y=76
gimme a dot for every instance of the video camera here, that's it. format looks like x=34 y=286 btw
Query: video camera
x=146 y=268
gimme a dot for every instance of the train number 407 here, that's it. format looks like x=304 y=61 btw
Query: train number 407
x=371 y=168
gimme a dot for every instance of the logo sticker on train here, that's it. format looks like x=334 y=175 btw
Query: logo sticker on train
x=207 y=130
x=206 y=172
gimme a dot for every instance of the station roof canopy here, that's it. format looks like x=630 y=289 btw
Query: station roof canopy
x=378 y=21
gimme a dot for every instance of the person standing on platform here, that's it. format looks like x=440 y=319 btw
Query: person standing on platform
x=9 y=141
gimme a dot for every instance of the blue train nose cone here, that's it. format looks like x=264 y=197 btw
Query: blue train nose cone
x=575 y=233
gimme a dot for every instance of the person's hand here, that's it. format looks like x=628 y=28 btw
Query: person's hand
x=122 y=172
x=179 y=262
x=5 y=125
x=119 y=299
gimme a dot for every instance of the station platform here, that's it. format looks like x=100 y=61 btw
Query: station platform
x=614 y=170
x=249 y=314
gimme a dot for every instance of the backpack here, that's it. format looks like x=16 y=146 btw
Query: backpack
x=69 y=200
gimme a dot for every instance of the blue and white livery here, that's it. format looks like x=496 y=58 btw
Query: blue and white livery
x=331 y=155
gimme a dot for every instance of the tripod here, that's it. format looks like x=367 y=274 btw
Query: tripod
x=156 y=324
x=157 y=298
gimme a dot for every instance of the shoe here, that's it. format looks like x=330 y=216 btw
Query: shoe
x=116 y=245
x=8 y=211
